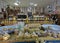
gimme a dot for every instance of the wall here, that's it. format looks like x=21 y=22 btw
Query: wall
x=54 y=6
x=51 y=7
x=58 y=6
x=2 y=4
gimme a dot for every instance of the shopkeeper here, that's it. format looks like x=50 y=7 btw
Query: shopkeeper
x=54 y=18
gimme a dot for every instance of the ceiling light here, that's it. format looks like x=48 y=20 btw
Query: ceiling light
x=16 y=4
x=35 y=4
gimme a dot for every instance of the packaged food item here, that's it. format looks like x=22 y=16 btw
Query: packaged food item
x=27 y=34
x=55 y=35
x=21 y=26
x=6 y=36
x=58 y=35
x=49 y=34
x=4 y=29
x=38 y=33
x=1 y=38
x=20 y=34
x=16 y=31
x=34 y=35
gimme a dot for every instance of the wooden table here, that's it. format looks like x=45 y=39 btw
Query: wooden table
x=42 y=39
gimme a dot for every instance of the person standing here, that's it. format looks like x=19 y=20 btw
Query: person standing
x=55 y=18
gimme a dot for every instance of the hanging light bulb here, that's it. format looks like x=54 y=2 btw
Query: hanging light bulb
x=16 y=4
x=35 y=4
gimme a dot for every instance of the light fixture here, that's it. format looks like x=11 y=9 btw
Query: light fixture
x=35 y=4
x=16 y=4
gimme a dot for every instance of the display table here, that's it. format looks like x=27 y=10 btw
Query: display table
x=42 y=39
